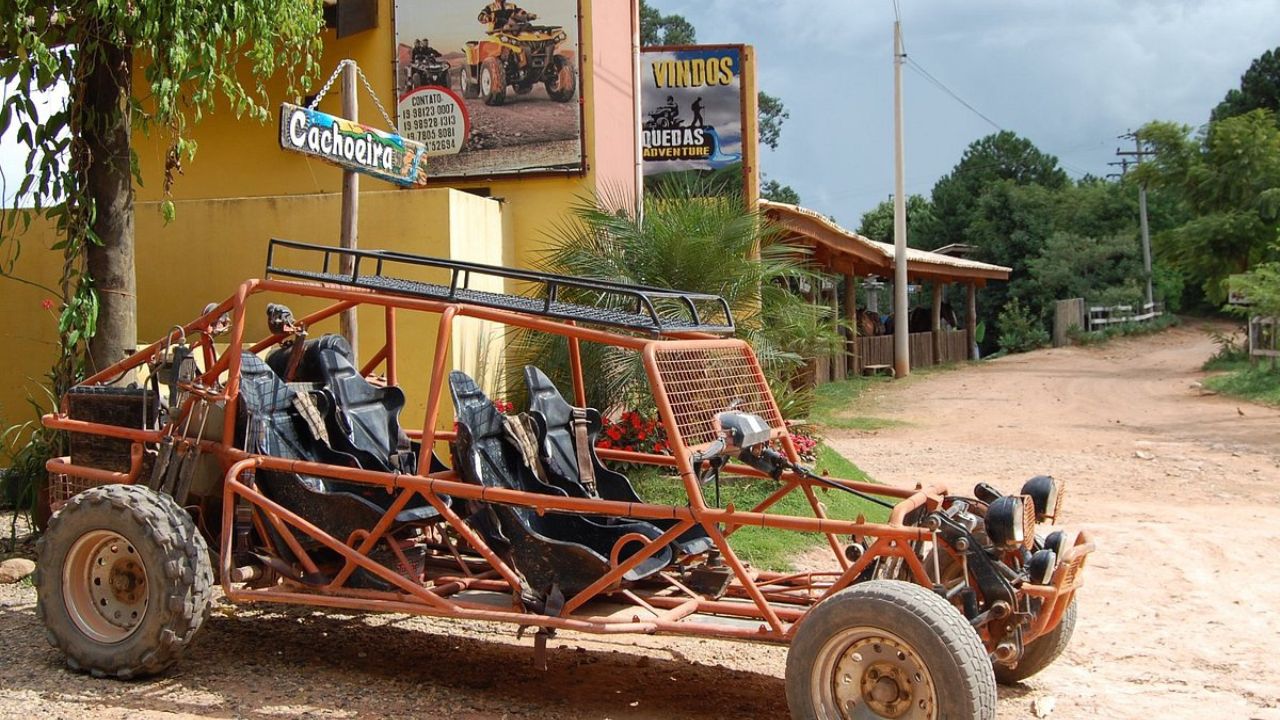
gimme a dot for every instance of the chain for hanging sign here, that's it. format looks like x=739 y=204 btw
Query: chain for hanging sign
x=368 y=88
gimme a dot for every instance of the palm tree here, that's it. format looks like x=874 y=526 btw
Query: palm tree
x=689 y=239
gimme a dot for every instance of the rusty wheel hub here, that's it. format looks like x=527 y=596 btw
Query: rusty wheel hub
x=104 y=586
x=872 y=674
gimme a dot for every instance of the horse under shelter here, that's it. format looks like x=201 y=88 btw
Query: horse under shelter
x=844 y=253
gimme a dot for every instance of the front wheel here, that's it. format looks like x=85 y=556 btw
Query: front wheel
x=493 y=82
x=561 y=82
x=1041 y=652
x=888 y=649
x=123 y=581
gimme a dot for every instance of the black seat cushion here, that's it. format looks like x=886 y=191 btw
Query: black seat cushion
x=364 y=421
x=270 y=424
x=551 y=550
x=553 y=416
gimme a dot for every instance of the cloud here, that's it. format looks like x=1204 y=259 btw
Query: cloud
x=1071 y=76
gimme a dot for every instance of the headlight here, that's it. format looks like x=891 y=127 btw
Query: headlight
x=1056 y=541
x=1041 y=566
x=1046 y=493
x=1011 y=521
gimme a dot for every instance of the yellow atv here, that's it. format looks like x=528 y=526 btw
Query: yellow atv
x=519 y=55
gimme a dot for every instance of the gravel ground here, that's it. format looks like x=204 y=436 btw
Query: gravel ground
x=1176 y=487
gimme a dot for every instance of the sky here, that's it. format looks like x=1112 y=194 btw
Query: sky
x=1070 y=75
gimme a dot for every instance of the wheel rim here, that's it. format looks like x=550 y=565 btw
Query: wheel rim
x=866 y=673
x=104 y=586
x=563 y=78
x=486 y=81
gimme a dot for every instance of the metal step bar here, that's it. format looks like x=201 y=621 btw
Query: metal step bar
x=656 y=311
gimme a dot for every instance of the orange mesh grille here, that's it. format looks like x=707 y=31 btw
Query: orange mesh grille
x=1073 y=570
x=1028 y=521
x=701 y=379
x=1057 y=501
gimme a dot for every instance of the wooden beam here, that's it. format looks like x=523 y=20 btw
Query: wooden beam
x=851 y=312
x=971 y=318
x=935 y=324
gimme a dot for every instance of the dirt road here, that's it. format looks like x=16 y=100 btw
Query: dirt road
x=1178 y=619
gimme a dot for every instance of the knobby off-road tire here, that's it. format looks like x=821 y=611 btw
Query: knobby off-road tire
x=561 y=82
x=1041 y=652
x=893 y=648
x=493 y=82
x=123 y=581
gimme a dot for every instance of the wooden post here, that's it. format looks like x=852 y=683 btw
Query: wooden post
x=350 y=208
x=936 y=322
x=837 y=356
x=851 y=312
x=971 y=319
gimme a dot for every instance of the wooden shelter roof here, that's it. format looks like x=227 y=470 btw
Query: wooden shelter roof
x=844 y=251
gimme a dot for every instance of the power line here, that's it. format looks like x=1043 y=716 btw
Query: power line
x=939 y=84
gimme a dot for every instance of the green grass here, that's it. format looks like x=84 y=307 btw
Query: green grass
x=834 y=404
x=1260 y=384
x=769 y=548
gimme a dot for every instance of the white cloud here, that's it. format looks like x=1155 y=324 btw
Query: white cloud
x=1070 y=75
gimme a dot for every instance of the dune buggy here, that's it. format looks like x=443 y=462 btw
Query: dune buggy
x=519 y=55
x=281 y=469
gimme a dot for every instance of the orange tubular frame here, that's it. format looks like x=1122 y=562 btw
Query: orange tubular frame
x=757 y=606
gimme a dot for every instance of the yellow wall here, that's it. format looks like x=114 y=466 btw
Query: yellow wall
x=242 y=188
x=214 y=245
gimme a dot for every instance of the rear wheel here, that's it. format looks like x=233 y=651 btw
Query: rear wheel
x=1041 y=652
x=887 y=649
x=493 y=82
x=470 y=89
x=123 y=581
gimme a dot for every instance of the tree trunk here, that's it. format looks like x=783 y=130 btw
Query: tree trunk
x=106 y=128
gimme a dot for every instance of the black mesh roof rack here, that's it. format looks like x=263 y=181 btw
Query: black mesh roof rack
x=585 y=300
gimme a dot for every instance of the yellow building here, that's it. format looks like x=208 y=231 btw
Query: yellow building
x=243 y=189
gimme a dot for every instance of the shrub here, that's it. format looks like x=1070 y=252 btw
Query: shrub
x=1020 y=330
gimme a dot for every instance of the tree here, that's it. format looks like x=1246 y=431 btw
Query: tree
x=772 y=114
x=1259 y=89
x=659 y=29
x=1228 y=176
x=80 y=165
x=777 y=192
x=1002 y=156
x=685 y=241
x=877 y=223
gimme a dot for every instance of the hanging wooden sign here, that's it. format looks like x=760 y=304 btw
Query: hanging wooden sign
x=353 y=146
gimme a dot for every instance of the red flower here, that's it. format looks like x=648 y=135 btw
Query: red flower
x=47 y=304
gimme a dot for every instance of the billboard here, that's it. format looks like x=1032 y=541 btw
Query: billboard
x=692 y=113
x=490 y=89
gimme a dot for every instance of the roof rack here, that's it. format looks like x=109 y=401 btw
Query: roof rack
x=598 y=302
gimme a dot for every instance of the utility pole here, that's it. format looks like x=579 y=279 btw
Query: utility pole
x=1140 y=153
x=901 y=349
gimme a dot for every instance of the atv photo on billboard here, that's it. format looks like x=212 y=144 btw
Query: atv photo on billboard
x=491 y=88
x=692 y=115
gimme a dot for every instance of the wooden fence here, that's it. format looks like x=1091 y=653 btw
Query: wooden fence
x=877 y=350
x=1100 y=317
x=1066 y=315
x=1264 y=338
